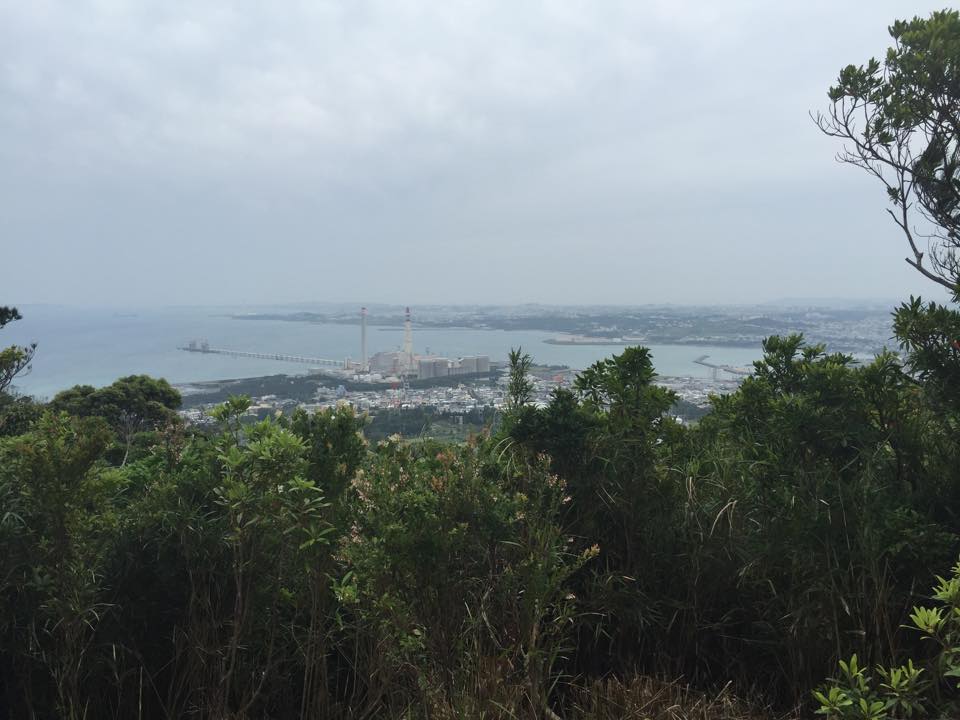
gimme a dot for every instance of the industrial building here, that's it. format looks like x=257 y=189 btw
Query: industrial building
x=391 y=365
x=405 y=363
x=436 y=367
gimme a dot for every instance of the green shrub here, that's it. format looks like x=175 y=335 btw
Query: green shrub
x=907 y=691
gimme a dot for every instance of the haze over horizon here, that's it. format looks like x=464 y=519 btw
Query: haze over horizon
x=350 y=305
x=411 y=152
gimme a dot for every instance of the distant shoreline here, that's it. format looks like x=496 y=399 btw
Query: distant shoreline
x=650 y=342
x=589 y=341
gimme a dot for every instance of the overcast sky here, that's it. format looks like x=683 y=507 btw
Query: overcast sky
x=433 y=152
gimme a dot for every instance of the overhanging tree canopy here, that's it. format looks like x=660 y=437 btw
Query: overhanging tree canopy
x=900 y=121
x=16 y=358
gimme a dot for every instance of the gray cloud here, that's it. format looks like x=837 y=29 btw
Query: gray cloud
x=434 y=152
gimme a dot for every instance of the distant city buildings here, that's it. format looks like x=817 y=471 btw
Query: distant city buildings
x=400 y=378
x=460 y=398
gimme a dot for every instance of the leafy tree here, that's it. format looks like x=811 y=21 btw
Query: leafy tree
x=16 y=358
x=334 y=451
x=930 y=333
x=18 y=413
x=8 y=315
x=457 y=579
x=53 y=595
x=606 y=439
x=900 y=120
x=132 y=405
x=236 y=535
x=519 y=388
x=828 y=480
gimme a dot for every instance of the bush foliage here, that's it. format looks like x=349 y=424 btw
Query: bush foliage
x=287 y=568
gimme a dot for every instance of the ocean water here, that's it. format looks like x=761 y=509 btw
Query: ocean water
x=96 y=346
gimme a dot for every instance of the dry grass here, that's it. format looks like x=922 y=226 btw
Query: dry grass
x=641 y=698
x=647 y=698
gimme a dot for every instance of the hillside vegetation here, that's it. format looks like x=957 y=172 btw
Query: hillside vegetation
x=588 y=559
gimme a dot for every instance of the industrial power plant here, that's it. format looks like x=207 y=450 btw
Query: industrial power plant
x=390 y=366
x=404 y=363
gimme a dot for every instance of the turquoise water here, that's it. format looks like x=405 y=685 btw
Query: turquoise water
x=82 y=346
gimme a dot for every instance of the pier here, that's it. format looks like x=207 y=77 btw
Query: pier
x=717 y=369
x=203 y=347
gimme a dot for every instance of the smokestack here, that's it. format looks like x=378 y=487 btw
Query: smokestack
x=363 y=340
x=408 y=342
